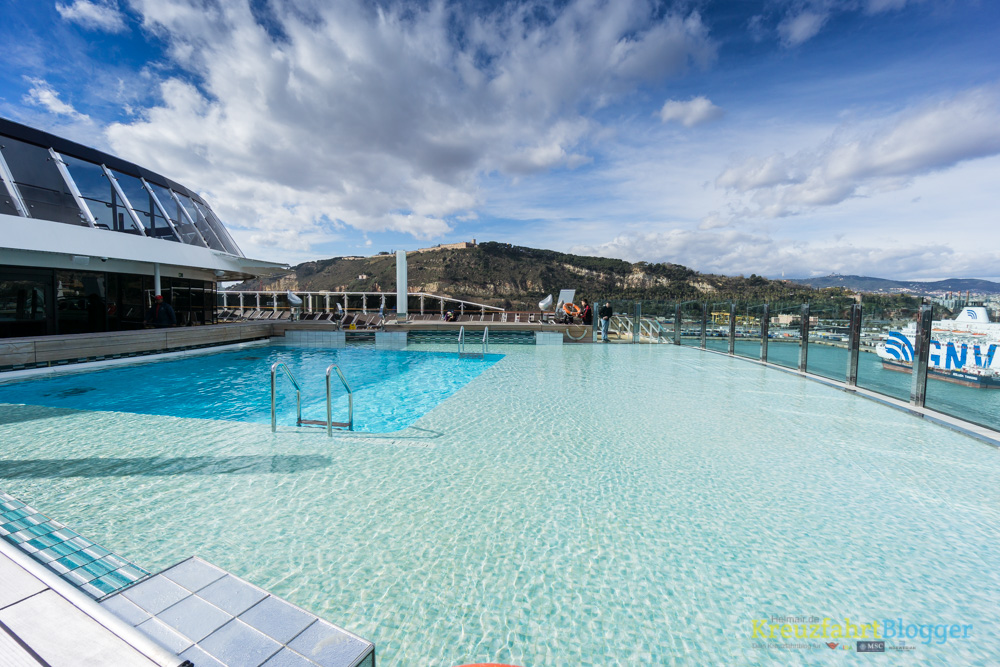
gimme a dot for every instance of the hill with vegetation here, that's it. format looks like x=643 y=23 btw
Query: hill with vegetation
x=919 y=287
x=517 y=278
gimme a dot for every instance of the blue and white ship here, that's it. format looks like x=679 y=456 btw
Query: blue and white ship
x=963 y=350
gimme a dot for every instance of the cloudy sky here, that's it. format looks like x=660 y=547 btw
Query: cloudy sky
x=780 y=137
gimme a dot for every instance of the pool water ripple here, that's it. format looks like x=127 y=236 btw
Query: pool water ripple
x=587 y=505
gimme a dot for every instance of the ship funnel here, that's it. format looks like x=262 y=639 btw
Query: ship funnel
x=977 y=314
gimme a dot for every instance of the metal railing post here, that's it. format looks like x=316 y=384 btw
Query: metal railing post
x=329 y=407
x=921 y=354
x=854 y=345
x=765 y=326
x=704 y=324
x=677 y=324
x=298 y=394
x=274 y=417
x=732 y=327
x=637 y=323
x=804 y=349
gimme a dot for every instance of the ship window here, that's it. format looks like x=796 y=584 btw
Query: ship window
x=39 y=182
x=219 y=229
x=99 y=196
x=199 y=220
x=140 y=202
x=186 y=230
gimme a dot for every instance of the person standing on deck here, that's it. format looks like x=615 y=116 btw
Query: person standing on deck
x=587 y=313
x=605 y=315
x=161 y=315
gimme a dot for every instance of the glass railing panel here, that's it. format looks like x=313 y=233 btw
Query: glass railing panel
x=887 y=323
x=963 y=379
x=829 y=335
x=784 y=331
x=691 y=323
x=748 y=329
x=656 y=317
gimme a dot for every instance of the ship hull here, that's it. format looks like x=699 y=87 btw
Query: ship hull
x=955 y=377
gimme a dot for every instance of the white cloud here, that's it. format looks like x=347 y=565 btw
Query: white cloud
x=693 y=112
x=41 y=94
x=875 y=157
x=879 y=6
x=384 y=119
x=737 y=252
x=801 y=27
x=101 y=15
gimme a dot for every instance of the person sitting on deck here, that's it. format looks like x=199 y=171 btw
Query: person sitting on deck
x=449 y=316
x=161 y=315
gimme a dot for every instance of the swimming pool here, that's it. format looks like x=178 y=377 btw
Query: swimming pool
x=585 y=505
x=392 y=388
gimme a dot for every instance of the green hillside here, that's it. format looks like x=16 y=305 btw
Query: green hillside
x=516 y=277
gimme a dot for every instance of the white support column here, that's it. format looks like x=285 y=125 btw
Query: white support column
x=364 y=303
x=326 y=300
x=401 y=284
x=258 y=300
x=242 y=309
x=156 y=279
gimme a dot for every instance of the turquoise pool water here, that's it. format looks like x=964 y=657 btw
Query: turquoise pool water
x=577 y=505
x=392 y=389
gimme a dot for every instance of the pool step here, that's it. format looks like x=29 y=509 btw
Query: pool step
x=320 y=422
x=209 y=616
x=89 y=567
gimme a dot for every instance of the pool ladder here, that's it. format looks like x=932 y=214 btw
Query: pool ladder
x=462 y=354
x=299 y=421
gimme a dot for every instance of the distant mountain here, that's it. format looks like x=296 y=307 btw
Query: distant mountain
x=916 y=287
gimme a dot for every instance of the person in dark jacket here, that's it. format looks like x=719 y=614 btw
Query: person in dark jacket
x=605 y=314
x=587 y=313
x=161 y=315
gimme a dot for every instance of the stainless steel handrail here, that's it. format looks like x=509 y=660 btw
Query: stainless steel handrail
x=461 y=340
x=329 y=405
x=298 y=394
x=486 y=341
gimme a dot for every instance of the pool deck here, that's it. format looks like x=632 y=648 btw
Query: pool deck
x=45 y=620
x=192 y=613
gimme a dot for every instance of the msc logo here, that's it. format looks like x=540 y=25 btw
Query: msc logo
x=871 y=647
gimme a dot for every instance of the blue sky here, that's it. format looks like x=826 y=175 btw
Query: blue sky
x=784 y=137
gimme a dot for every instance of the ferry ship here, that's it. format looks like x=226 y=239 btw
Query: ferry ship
x=963 y=350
